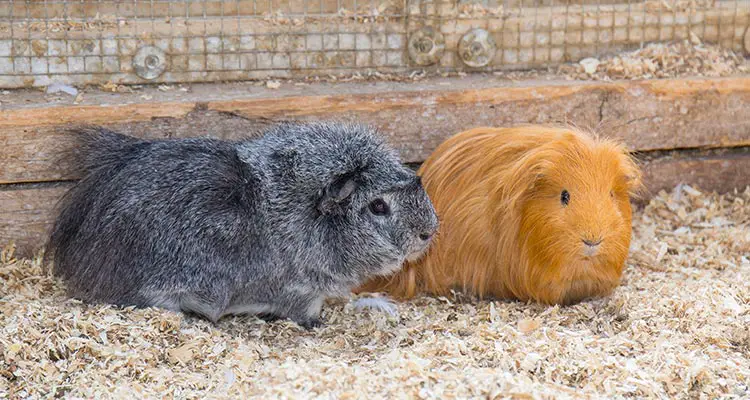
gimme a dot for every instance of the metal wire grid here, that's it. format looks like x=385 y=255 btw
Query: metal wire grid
x=543 y=33
x=131 y=41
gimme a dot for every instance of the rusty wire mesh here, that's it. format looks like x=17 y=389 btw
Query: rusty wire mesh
x=137 y=41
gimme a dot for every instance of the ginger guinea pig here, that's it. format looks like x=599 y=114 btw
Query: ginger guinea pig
x=529 y=213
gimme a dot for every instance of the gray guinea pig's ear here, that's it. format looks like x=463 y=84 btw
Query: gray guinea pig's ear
x=336 y=193
x=287 y=159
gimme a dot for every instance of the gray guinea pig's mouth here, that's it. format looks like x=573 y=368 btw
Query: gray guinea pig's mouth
x=415 y=255
x=391 y=268
x=394 y=266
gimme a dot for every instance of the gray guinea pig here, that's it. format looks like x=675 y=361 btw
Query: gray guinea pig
x=268 y=226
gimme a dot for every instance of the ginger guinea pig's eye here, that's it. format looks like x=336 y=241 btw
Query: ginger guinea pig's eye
x=379 y=207
x=564 y=198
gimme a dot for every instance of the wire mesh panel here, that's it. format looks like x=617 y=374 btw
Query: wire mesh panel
x=137 y=41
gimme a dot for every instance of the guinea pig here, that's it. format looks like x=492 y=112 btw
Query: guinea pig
x=268 y=226
x=529 y=213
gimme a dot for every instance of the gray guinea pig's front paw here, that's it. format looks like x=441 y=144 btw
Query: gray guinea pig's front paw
x=380 y=304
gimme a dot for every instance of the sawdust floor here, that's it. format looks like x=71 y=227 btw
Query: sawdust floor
x=676 y=328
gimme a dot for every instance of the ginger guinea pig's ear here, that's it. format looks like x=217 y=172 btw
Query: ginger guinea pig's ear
x=525 y=175
x=335 y=195
x=632 y=175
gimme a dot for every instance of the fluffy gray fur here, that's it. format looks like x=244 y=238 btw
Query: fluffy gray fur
x=269 y=226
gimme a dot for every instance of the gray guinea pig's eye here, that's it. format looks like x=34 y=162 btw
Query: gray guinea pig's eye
x=379 y=207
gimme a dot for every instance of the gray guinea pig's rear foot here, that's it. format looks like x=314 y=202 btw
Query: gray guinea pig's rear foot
x=305 y=322
x=306 y=312
x=310 y=323
x=268 y=317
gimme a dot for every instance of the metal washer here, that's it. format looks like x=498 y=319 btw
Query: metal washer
x=426 y=46
x=477 y=48
x=149 y=62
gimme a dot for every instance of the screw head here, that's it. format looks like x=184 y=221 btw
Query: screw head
x=149 y=62
x=426 y=46
x=477 y=48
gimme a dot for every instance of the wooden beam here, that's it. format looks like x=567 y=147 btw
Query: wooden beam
x=95 y=114
x=416 y=117
x=721 y=170
x=26 y=214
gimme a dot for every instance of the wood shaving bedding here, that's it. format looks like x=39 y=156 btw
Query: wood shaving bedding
x=676 y=328
x=661 y=60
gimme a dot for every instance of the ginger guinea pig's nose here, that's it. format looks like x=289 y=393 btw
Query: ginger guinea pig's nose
x=591 y=247
x=592 y=243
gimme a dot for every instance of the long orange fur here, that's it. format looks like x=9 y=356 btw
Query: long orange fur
x=504 y=232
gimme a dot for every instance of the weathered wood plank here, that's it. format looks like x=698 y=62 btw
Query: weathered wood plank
x=26 y=214
x=646 y=115
x=97 y=114
x=722 y=171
